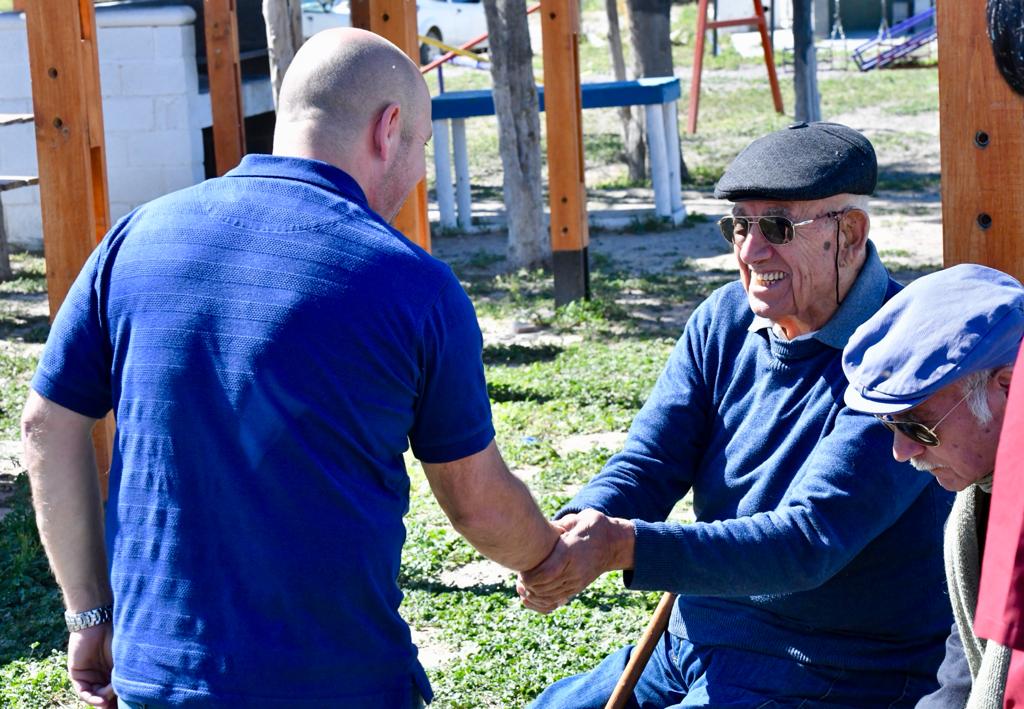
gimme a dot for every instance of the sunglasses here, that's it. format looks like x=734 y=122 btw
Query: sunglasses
x=775 y=230
x=918 y=432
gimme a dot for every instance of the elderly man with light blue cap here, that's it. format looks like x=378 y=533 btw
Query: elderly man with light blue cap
x=934 y=364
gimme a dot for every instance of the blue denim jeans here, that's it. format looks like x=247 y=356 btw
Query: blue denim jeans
x=680 y=674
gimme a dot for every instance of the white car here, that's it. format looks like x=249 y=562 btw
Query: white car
x=453 y=22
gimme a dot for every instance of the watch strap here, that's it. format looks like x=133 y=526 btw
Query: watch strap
x=89 y=618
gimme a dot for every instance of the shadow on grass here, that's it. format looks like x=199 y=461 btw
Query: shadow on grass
x=519 y=354
x=431 y=586
x=506 y=392
x=32 y=328
x=31 y=610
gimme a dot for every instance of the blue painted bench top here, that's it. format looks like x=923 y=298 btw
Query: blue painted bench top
x=642 y=92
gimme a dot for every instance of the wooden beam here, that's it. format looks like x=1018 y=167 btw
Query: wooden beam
x=395 y=20
x=981 y=134
x=225 y=74
x=570 y=235
x=69 y=145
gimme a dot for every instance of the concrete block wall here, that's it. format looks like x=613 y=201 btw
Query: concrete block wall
x=152 y=111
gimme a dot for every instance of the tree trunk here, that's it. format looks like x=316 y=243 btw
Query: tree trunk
x=805 y=64
x=632 y=126
x=650 y=30
x=515 y=103
x=284 y=37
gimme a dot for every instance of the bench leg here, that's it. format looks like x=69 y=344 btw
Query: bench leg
x=675 y=189
x=656 y=149
x=443 y=170
x=462 y=174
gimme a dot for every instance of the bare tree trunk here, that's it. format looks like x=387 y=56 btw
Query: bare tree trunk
x=632 y=127
x=284 y=37
x=650 y=30
x=515 y=103
x=805 y=64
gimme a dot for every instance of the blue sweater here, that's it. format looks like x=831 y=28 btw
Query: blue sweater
x=811 y=542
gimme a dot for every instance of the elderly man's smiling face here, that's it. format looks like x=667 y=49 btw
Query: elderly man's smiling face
x=794 y=284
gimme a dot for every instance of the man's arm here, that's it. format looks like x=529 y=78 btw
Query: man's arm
x=954 y=677
x=492 y=509
x=66 y=495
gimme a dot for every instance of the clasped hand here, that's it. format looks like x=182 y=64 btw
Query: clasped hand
x=590 y=544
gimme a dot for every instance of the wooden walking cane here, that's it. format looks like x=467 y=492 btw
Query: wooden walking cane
x=642 y=653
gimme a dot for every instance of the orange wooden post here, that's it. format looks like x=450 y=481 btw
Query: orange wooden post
x=570 y=235
x=225 y=73
x=69 y=145
x=395 y=20
x=756 y=20
x=981 y=134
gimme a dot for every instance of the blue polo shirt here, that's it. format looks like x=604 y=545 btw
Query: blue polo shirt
x=270 y=347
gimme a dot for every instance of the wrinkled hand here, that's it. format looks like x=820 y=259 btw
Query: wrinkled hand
x=591 y=544
x=90 y=662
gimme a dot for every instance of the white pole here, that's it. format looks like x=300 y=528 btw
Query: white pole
x=462 y=173
x=443 y=170
x=675 y=188
x=659 y=162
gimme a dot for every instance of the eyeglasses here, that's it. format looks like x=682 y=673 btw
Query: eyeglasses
x=918 y=432
x=775 y=229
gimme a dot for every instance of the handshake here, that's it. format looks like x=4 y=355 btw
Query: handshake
x=590 y=543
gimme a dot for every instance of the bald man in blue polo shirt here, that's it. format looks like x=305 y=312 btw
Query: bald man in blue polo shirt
x=270 y=347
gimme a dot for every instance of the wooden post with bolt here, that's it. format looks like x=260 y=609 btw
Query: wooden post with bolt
x=220 y=18
x=69 y=146
x=570 y=236
x=395 y=20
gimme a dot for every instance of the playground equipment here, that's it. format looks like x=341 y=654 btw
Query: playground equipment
x=758 y=20
x=897 y=42
x=658 y=96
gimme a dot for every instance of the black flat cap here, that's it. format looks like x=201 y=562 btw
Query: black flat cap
x=803 y=162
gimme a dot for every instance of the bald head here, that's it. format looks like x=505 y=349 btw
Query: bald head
x=343 y=95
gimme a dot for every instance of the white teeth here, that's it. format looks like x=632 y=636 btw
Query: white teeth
x=768 y=278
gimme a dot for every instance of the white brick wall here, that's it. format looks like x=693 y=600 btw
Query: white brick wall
x=152 y=110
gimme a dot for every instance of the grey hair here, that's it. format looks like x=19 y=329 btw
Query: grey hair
x=857 y=201
x=977 y=398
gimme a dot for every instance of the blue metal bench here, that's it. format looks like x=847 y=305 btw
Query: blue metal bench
x=658 y=96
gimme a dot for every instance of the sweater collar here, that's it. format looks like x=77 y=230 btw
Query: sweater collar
x=865 y=297
x=306 y=170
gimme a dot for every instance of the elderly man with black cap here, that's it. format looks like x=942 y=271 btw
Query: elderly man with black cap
x=934 y=365
x=812 y=575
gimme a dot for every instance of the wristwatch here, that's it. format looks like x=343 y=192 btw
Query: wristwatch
x=87 y=619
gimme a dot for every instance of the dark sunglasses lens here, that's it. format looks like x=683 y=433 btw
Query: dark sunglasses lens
x=914 y=431
x=733 y=228
x=920 y=433
x=776 y=230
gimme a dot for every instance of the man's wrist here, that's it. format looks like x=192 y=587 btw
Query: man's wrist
x=89 y=618
x=625 y=543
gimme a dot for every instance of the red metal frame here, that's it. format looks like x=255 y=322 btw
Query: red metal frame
x=703 y=26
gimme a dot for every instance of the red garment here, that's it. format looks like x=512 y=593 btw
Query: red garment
x=1014 y=696
x=1000 y=612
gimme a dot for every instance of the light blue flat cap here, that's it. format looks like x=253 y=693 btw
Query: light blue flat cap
x=940 y=328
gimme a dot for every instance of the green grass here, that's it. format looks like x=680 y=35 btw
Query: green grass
x=593 y=382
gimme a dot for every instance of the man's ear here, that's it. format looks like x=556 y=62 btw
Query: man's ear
x=1002 y=378
x=387 y=132
x=855 y=229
